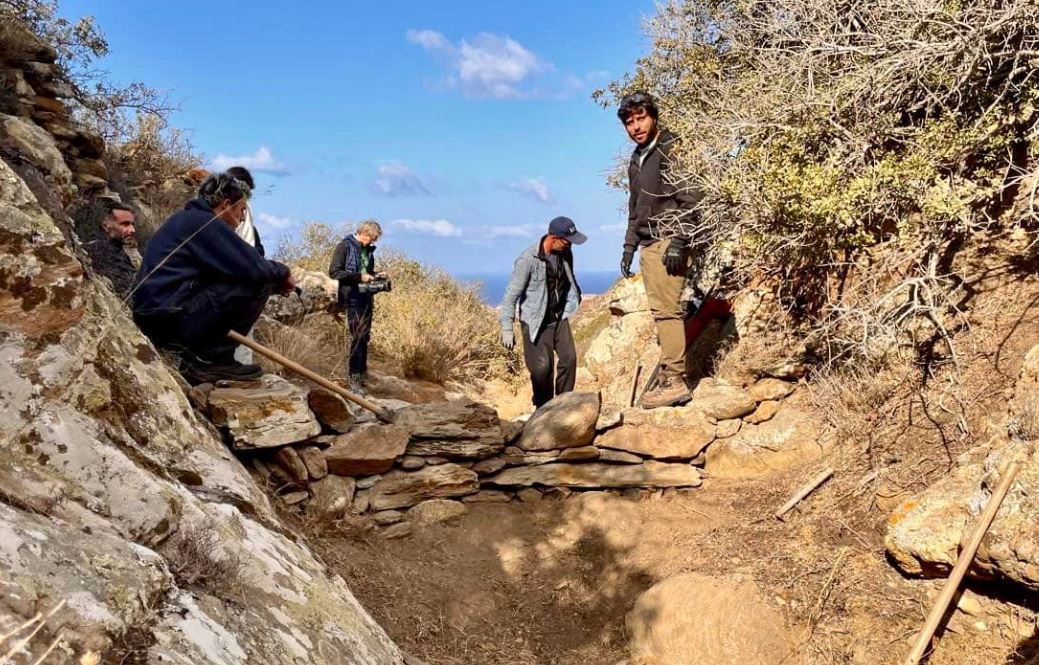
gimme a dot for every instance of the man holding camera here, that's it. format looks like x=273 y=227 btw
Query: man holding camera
x=545 y=289
x=353 y=265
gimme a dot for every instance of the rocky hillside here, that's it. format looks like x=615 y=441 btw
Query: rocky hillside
x=124 y=520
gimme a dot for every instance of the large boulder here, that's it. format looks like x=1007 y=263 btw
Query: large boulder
x=692 y=619
x=402 y=490
x=566 y=421
x=790 y=439
x=722 y=401
x=274 y=412
x=648 y=474
x=462 y=429
x=664 y=433
x=366 y=450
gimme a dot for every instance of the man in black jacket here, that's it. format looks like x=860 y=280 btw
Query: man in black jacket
x=199 y=280
x=353 y=264
x=108 y=252
x=664 y=261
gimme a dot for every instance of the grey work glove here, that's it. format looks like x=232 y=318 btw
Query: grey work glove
x=508 y=339
x=626 y=259
x=675 y=257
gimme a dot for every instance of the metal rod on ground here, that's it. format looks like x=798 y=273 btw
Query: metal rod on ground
x=923 y=638
x=634 y=383
x=380 y=413
x=803 y=492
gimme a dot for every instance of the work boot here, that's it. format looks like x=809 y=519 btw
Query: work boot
x=669 y=392
x=359 y=381
x=197 y=371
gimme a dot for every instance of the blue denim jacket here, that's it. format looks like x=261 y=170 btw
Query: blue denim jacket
x=528 y=288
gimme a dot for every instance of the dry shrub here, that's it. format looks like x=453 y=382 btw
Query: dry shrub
x=435 y=328
x=312 y=247
x=318 y=342
x=197 y=561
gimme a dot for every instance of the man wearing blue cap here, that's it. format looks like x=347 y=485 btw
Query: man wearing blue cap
x=544 y=288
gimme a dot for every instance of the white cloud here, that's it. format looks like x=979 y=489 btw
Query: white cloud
x=440 y=228
x=533 y=188
x=512 y=231
x=488 y=65
x=613 y=229
x=273 y=221
x=261 y=161
x=396 y=179
x=431 y=40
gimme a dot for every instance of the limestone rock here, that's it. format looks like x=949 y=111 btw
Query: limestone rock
x=36 y=146
x=692 y=619
x=412 y=462
x=431 y=482
x=511 y=430
x=399 y=530
x=366 y=450
x=293 y=498
x=791 y=439
x=274 y=413
x=314 y=460
x=618 y=457
x=490 y=465
x=613 y=352
x=727 y=428
x=765 y=411
x=610 y=415
x=331 y=410
x=770 y=389
x=566 y=421
x=522 y=458
x=529 y=495
x=362 y=501
x=387 y=517
x=722 y=401
x=461 y=429
x=664 y=433
x=648 y=474
x=437 y=510
x=488 y=496
x=288 y=458
x=628 y=296
x=332 y=496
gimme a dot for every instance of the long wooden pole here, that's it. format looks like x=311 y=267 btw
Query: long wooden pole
x=634 y=382
x=923 y=638
x=380 y=413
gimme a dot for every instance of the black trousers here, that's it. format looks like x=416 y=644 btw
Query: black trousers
x=551 y=360
x=202 y=324
x=359 y=323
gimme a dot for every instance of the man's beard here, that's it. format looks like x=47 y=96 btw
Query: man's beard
x=130 y=242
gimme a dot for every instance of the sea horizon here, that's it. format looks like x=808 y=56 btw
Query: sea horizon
x=492 y=285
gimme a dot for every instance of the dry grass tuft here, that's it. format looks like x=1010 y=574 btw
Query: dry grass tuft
x=318 y=342
x=196 y=560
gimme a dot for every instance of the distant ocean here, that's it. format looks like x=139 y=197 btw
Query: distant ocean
x=493 y=286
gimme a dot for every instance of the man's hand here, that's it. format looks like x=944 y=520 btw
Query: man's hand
x=288 y=286
x=365 y=278
x=675 y=257
x=508 y=339
x=626 y=259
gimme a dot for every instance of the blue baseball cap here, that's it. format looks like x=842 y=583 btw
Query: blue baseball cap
x=565 y=228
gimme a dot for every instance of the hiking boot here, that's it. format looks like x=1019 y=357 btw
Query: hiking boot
x=198 y=371
x=359 y=381
x=669 y=392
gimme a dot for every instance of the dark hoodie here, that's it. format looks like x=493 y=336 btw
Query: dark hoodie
x=215 y=255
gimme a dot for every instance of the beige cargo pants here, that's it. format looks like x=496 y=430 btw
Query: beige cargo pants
x=664 y=293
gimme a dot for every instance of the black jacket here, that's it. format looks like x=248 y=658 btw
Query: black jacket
x=651 y=193
x=346 y=268
x=109 y=259
x=215 y=255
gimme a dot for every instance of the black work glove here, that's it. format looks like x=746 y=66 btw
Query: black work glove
x=626 y=259
x=675 y=257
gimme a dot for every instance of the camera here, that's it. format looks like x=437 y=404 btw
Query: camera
x=377 y=285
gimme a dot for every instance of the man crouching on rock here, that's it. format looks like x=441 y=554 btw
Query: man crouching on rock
x=544 y=287
x=199 y=280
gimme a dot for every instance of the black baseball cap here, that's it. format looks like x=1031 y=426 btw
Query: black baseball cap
x=565 y=228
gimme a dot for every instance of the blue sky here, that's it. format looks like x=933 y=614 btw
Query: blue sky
x=463 y=127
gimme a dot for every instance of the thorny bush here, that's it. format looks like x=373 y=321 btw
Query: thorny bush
x=829 y=137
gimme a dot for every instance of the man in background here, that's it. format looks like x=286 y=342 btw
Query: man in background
x=199 y=280
x=664 y=261
x=108 y=253
x=544 y=288
x=353 y=265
